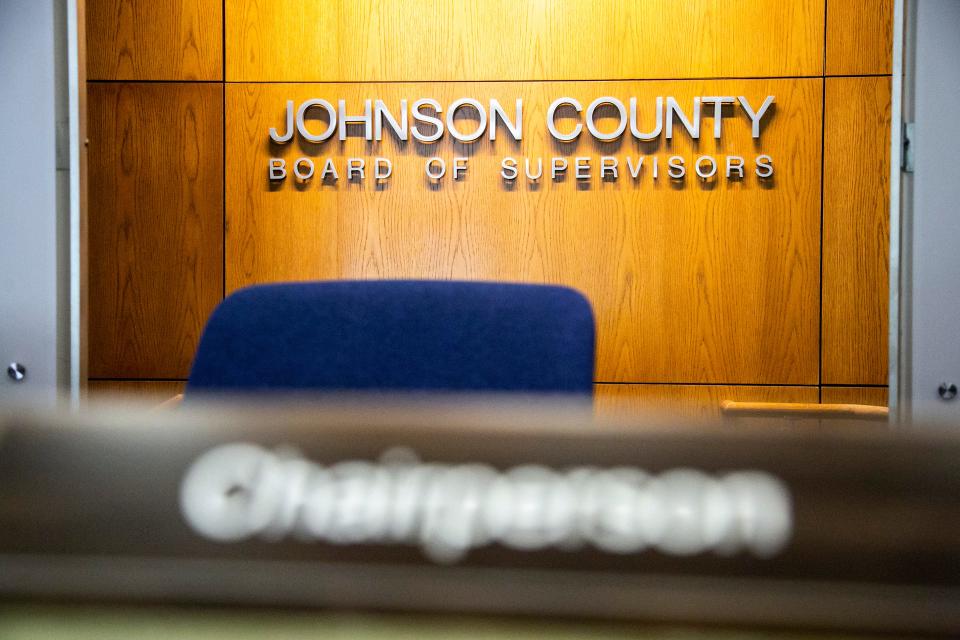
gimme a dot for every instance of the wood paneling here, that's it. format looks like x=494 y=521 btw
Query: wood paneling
x=148 y=391
x=690 y=282
x=623 y=401
x=859 y=37
x=154 y=40
x=856 y=230
x=716 y=282
x=419 y=40
x=155 y=225
x=876 y=396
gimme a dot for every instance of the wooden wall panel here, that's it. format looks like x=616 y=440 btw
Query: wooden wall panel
x=155 y=224
x=145 y=391
x=714 y=283
x=691 y=401
x=859 y=37
x=856 y=230
x=154 y=39
x=876 y=396
x=699 y=282
x=420 y=40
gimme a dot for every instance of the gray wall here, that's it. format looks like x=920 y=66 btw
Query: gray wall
x=32 y=270
x=931 y=250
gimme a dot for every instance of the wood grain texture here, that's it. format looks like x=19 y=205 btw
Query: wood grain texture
x=420 y=40
x=692 y=282
x=803 y=410
x=856 y=230
x=154 y=40
x=623 y=401
x=155 y=225
x=877 y=396
x=149 y=391
x=859 y=37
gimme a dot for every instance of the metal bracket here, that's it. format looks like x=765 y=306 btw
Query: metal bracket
x=907 y=142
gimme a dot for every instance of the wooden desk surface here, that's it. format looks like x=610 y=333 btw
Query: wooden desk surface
x=91 y=511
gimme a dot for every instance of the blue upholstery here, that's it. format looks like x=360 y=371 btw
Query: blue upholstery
x=398 y=335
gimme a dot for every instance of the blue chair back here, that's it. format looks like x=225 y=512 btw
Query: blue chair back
x=398 y=335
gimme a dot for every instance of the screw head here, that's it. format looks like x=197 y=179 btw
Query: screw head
x=17 y=371
x=947 y=390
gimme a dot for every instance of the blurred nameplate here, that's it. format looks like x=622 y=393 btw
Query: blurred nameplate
x=524 y=506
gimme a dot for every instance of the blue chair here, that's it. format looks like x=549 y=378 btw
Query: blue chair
x=397 y=335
